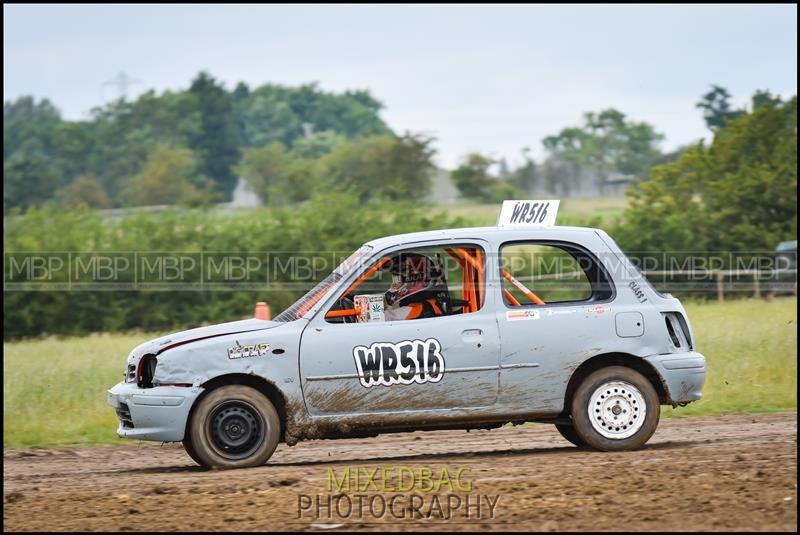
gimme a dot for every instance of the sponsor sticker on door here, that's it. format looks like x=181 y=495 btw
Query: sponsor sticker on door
x=522 y=315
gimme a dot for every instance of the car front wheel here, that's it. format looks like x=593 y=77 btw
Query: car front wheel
x=615 y=409
x=189 y=448
x=233 y=426
x=568 y=432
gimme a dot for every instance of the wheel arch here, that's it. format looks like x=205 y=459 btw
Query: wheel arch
x=615 y=359
x=256 y=382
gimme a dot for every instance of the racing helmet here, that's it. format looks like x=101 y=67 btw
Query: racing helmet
x=415 y=278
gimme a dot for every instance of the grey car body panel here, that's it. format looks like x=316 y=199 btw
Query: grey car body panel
x=495 y=370
x=330 y=382
x=684 y=374
x=159 y=414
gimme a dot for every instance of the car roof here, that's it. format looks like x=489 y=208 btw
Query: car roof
x=509 y=233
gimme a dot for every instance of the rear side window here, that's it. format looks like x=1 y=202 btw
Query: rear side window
x=538 y=273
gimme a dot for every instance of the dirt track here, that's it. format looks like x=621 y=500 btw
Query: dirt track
x=725 y=473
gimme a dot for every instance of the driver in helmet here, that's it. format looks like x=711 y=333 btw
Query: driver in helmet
x=418 y=288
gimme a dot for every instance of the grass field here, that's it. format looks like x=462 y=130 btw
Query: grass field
x=54 y=389
x=751 y=350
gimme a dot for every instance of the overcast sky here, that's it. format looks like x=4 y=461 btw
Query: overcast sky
x=479 y=78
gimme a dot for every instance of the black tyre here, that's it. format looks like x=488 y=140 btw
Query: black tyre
x=568 y=432
x=615 y=409
x=189 y=448
x=233 y=426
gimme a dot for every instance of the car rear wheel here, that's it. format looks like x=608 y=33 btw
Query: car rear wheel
x=233 y=426
x=615 y=409
x=568 y=432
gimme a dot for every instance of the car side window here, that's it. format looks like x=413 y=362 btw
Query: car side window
x=414 y=284
x=539 y=273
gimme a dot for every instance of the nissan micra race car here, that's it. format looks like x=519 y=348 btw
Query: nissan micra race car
x=467 y=328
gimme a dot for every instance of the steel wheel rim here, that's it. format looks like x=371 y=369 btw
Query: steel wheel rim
x=617 y=410
x=236 y=429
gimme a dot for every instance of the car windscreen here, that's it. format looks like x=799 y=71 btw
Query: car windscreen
x=300 y=307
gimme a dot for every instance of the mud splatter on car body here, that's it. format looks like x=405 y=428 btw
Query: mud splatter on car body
x=497 y=366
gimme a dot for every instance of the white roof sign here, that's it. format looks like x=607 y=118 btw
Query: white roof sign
x=528 y=213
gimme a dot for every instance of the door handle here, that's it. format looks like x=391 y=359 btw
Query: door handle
x=472 y=335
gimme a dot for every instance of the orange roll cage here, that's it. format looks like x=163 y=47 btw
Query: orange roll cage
x=522 y=288
x=472 y=279
x=343 y=313
x=471 y=262
x=511 y=298
x=367 y=274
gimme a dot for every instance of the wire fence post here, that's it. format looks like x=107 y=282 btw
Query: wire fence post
x=720 y=288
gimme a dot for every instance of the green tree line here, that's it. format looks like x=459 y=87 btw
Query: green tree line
x=187 y=146
x=329 y=227
x=580 y=160
x=736 y=193
x=585 y=159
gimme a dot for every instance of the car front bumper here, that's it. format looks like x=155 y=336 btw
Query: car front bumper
x=683 y=375
x=157 y=413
